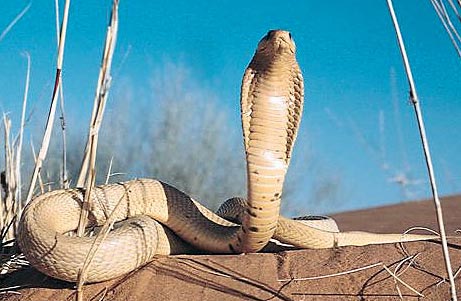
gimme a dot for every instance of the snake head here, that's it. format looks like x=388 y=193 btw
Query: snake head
x=277 y=41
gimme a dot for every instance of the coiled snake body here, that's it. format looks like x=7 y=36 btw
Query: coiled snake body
x=151 y=211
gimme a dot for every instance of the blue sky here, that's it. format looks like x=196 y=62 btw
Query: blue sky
x=358 y=125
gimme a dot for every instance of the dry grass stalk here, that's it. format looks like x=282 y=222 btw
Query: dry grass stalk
x=378 y=264
x=402 y=245
x=215 y=268
x=458 y=271
x=99 y=238
x=40 y=180
x=15 y=20
x=8 y=290
x=398 y=268
x=64 y=174
x=21 y=137
x=11 y=261
x=427 y=154
x=51 y=115
x=396 y=278
x=10 y=204
x=109 y=171
x=444 y=17
x=10 y=207
x=445 y=14
x=209 y=271
x=335 y=274
x=455 y=10
x=102 y=91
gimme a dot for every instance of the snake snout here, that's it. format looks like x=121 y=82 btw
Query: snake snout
x=277 y=41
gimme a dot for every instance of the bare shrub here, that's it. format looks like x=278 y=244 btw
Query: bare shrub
x=181 y=135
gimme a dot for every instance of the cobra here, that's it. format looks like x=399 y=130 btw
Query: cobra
x=156 y=218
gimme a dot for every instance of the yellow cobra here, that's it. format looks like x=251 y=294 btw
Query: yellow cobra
x=152 y=215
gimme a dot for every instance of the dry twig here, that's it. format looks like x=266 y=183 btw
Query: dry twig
x=427 y=154
x=49 y=124
x=412 y=259
x=15 y=20
x=64 y=175
x=86 y=178
x=447 y=24
x=378 y=264
x=40 y=180
x=21 y=135
x=98 y=240
x=9 y=207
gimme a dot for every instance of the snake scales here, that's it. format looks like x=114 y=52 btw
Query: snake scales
x=151 y=211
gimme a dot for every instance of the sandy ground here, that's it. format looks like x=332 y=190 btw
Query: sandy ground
x=282 y=275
